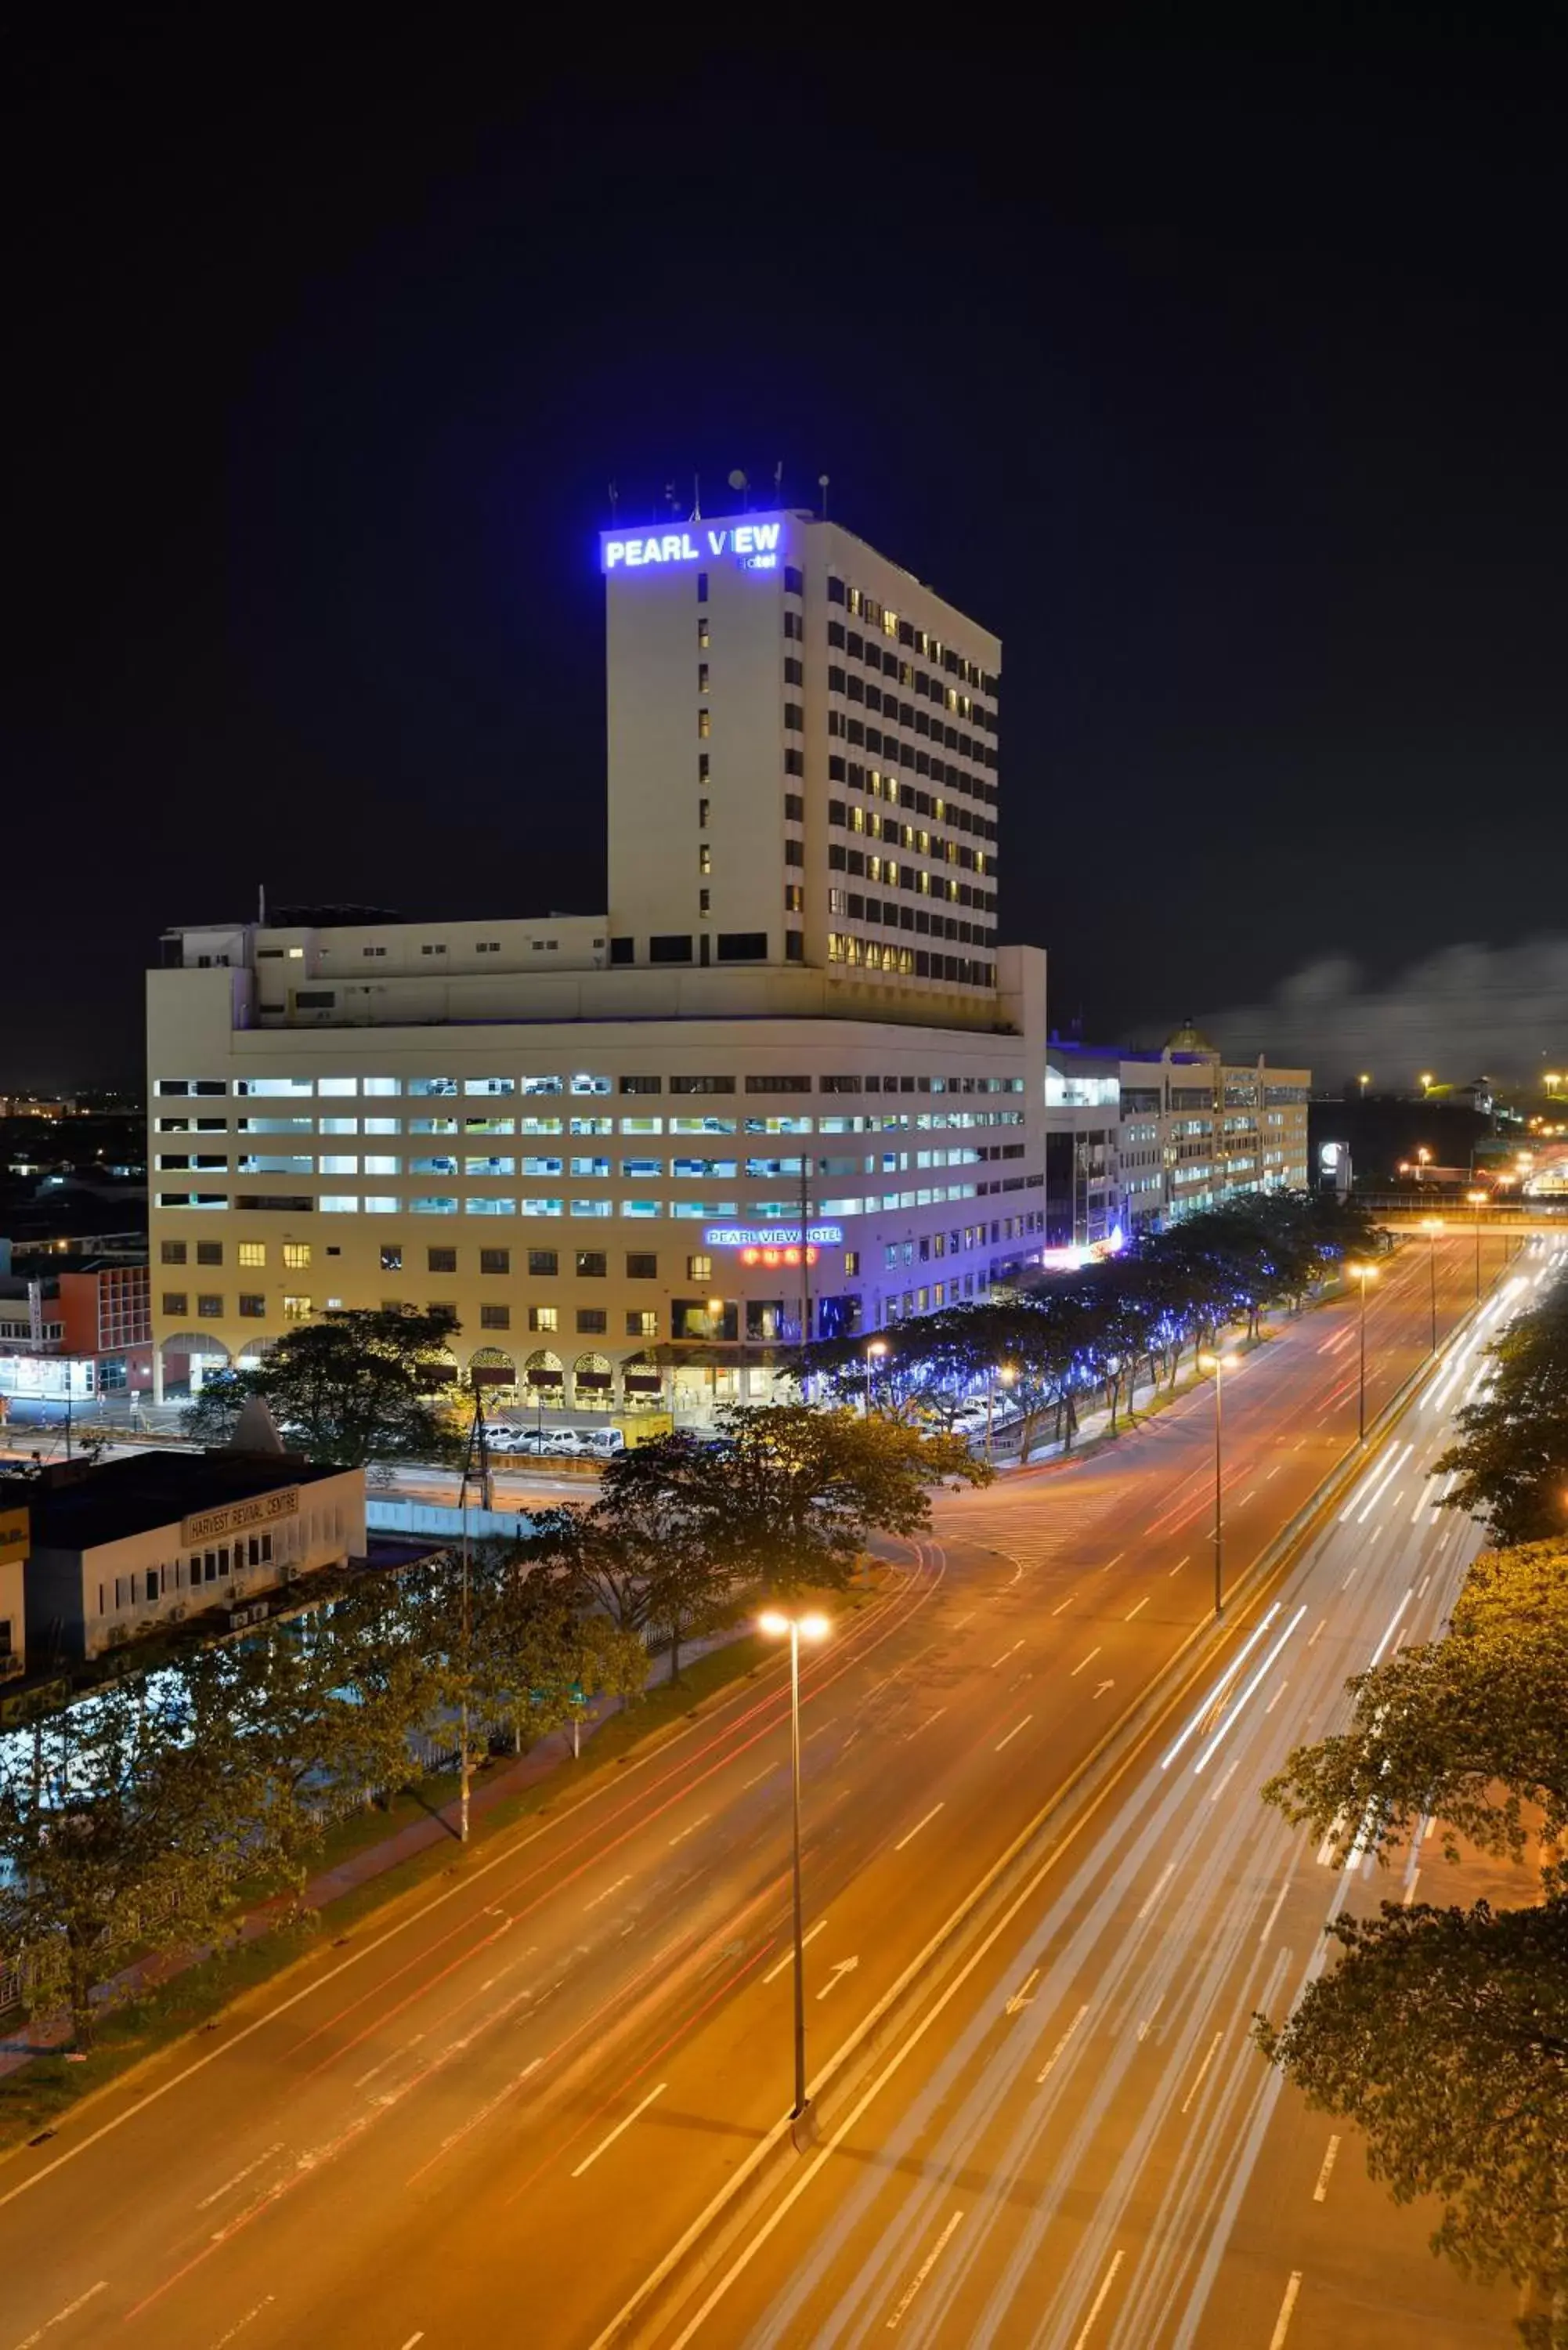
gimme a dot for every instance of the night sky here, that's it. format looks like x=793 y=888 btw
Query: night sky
x=1230 y=386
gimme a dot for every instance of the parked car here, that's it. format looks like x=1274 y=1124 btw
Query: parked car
x=602 y=1441
x=500 y=1436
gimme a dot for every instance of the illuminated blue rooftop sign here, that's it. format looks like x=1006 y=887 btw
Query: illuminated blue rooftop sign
x=754 y=545
x=771 y=1235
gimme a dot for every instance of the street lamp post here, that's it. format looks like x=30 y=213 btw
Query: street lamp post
x=1006 y=1374
x=1363 y=1274
x=878 y=1348
x=1432 y=1226
x=797 y=1628
x=1218 y=1365
x=1477 y=1201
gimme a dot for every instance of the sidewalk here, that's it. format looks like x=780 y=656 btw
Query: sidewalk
x=491 y=1786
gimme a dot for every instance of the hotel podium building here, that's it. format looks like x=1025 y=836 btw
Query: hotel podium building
x=593 y=1138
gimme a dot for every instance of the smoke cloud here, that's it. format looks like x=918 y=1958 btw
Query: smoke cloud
x=1463 y=1012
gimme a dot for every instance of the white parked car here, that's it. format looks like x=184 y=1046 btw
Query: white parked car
x=602 y=1441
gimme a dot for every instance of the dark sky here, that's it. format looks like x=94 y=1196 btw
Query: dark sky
x=1230 y=386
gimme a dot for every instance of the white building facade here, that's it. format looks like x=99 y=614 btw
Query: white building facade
x=789 y=1081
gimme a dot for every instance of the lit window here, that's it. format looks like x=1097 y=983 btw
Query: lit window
x=699 y=1268
x=704 y=859
x=297 y=1309
x=544 y=1318
x=253 y=1253
x=704 y=724
x=296 y=1255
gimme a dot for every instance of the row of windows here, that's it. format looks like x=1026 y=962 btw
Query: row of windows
x=581 y=1084
x=895 y=916
x=153 y=1583
x=640 y=1169
x=872 y=739
x=862 y=607
x=878 y=786
x=934 y=727
x=708 y=1122
x=874 y=954
x=885 y=663
x=677 y=1211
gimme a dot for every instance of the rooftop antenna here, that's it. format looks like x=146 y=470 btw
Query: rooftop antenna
x=778 y=482
x=822 y=486
x=261 y=905
x=739 y=482
x=696 y=497
x=615 y=505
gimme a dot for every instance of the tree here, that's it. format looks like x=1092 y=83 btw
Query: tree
x=355 y=1385
x=790 y=1496
x=1443 y=2035
x=646 y=1552
x=121 y=1831
x=1511 y=1464
x=1472 y=1728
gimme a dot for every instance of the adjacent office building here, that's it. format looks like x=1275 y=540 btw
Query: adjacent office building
x=788 y=1081
x=1139 y=1139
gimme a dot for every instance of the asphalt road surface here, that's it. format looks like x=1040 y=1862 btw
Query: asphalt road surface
x=489 y=2115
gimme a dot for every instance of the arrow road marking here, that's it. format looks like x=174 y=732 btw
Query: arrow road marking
x=841 y=1967
x=1022 y=1996
x=1104 y=1687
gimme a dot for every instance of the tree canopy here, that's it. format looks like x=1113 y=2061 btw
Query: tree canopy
x=1511 y=1463
x=1064 y=1335
x=1472 y=1728
x=1443 y=2034
x=357 y=1385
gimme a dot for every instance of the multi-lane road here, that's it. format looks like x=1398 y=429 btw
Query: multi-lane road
x=488 y=2116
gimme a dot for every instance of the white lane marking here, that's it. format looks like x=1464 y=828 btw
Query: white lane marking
x=804 y=1741
x=589 y=2159
x=240 y=2324
x=1277 y=1696
x=1166 y=1873
x=1234 y=1713
x=1279 y=1905
x=924 y=1725
x=1323 y=1625
x=1320 y=2192
x=915 y=1831
x=682 y=1834
x=1005 y=1654
x=1393 y=1620
x=836 y=1973
x=1410 y=1889
x=1133 y=1611
x=758 y=1776
x=1181 y=1563
x=1283 y=2323
x=60 y=2315
x=1421 y=1587
x=1012 y=1733
x=419 y=2336
x=1195 y=1721
x=922 y=2272
x=230 y=2184
x=1087 y=1660
x=1113 y=1562
x=1146 y=2026
x=1045 y=2070
x=1202 y=2069
x=959 y=1621
x=779 y=1965
x=606 y=1894
x=1225 y=1780
x=1099 y=2300
x=1067 y=1603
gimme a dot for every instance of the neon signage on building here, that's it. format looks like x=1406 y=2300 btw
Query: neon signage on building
x=754 y=545
x=771 y=1236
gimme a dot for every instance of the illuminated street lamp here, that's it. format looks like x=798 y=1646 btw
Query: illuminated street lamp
x=810 y=1627
x=1218 y=1365
x=878 y=1348
x=1477 y=1201
x=1364 y=1273
x=1006 y=1374
x=1364 y=1080
x=1426 y=1081
x=1432 y=1226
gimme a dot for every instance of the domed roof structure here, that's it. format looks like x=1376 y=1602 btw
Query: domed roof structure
x=1188 y=1039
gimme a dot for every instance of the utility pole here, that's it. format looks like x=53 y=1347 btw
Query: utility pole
x=476 y=1444
x=805 y=1246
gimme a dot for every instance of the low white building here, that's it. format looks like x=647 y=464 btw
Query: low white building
x=15 y=1542
x=123 y=1547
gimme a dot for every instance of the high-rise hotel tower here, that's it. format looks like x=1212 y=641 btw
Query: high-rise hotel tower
x=592 y=1138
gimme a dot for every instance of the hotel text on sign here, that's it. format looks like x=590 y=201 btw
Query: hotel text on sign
x=754 y=545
